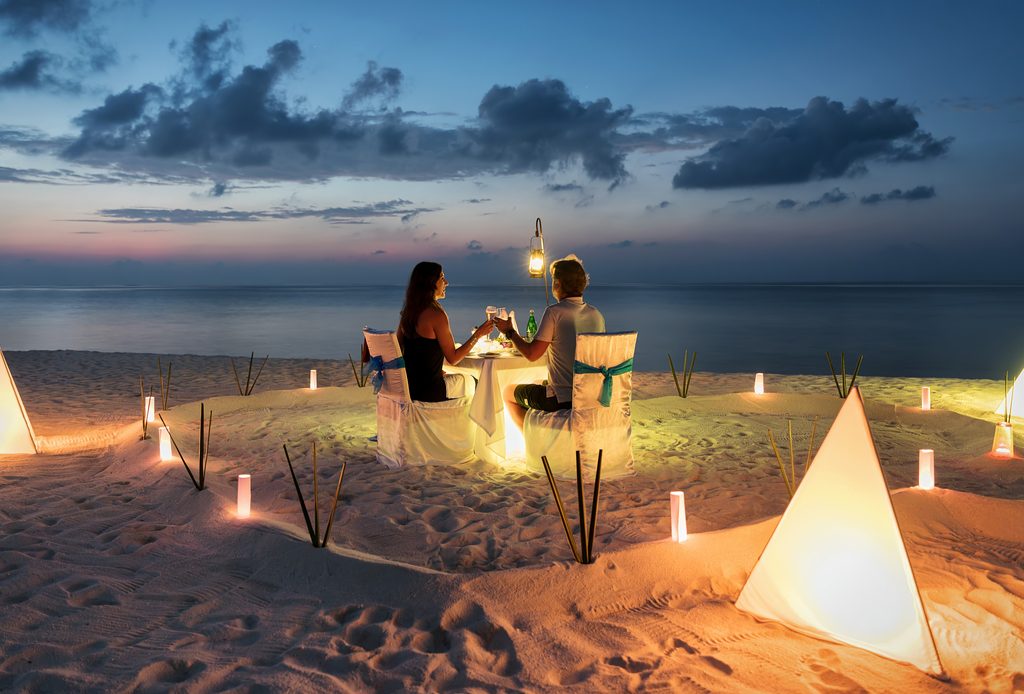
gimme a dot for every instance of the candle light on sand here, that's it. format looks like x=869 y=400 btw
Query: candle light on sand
x=244 y=495
x=678 y=517
x=165 y=445
x=926 y=468
x=150 y=408
x=926 y=398
x=759 y=383
x=1002 y=443
x=312 y=379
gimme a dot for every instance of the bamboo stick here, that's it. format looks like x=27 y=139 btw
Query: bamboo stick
x=302 y=501
x=316 y=496
x=672 y=366
x=833 y=368
x=561 y=508
x=175 y=444
x=593 y=507
x=334 y=507
x=253 y=387
x=238 y=383
x=584 y=548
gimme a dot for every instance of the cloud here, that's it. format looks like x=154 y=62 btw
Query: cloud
x=26 y=18
x=786 y=204
x=918 y=193
x=826 y=140
x=377 y=83
x=476 y=201
x=475 y=245
x=562 y=188
x=334 y=215
x=539 y=124
x=831 y=197
x=621 y=244
x=379 y=252
x=218 y=189
x=36 y=71
x=660 y=206
x=687 y=130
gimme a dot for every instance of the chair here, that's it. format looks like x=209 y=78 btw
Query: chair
x=410 y=432
x=602 y=387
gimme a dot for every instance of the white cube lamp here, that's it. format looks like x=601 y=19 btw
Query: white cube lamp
x=244 y=495
x=759 y=383
x=312 y=379
x=926 y=398
x=165 y=445
x=926 y=468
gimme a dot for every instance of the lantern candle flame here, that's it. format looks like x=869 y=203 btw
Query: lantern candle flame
x=244 y=495
x=678 y=517
x=1002 y=443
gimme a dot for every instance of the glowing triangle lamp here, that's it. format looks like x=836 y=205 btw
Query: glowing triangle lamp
x=16 y=435
x=836 y=567
x=1015 y=398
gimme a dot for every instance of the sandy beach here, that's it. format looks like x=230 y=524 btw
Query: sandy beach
x=117 y=574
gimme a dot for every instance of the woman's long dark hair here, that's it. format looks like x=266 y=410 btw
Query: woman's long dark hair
x=418 y=296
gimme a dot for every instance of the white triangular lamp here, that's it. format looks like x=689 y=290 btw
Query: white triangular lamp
x=836 y=567
x=16 y=435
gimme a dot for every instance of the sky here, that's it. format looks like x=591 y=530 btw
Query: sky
x=180 y=143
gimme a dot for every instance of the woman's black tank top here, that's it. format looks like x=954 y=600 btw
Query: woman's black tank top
x=423 y=362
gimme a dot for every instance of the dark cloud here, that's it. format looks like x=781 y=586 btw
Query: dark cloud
x=37 y=71
x=562 y=188
x=786 y=204
x=69 y=177
x=377 y=83
x=621 y=244
x=26 y=18
x=207 y=56
x=379 y=252
x=918 y=193
x=475 y=245
x=335 y=215
x=831 y=197
x=218 y=190
x=671 y=130
x=660 y=206
x=826 y=140
x=477 y=201
x=539 y=124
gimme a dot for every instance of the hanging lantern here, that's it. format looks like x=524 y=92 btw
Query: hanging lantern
x=244 y=495
x=926 y=398
x=678 y=517
x=1002 y=444
x=926 y=468
x=759 y=383
x=312 y=379
x=537 y=251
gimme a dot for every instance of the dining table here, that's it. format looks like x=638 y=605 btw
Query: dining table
x=498 y=440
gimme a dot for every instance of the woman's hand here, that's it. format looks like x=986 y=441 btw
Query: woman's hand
x=485 y=329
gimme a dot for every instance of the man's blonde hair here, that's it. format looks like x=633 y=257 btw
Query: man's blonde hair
x=570 y=275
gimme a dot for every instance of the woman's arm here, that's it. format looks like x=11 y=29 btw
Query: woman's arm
x=443 y=333
x=531 y=350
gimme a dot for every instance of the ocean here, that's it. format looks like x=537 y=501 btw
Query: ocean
x=902 y=330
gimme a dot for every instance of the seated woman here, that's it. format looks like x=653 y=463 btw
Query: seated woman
x=426 y=336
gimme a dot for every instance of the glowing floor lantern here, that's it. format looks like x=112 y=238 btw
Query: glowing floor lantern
x=836 y=566
x=759 y=383
x=165 y=445
x=1002 y=443
x=926 y=468
x=678 y=510
x=244 y=495
x=16 y=435
x=312 y=379
x=926 y=398
x=150 y=408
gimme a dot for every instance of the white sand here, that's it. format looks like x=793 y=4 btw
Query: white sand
x=115 y=573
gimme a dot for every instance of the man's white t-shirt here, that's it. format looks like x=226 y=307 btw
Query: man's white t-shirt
x=559 y=326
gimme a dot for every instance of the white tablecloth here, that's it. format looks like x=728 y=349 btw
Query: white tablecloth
x=494 y=374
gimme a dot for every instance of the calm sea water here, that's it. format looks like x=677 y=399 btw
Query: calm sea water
x=956 y=331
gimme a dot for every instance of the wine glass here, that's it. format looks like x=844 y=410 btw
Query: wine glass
x=491 y=311
x=503 y=313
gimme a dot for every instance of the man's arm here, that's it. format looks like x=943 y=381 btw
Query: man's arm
x=531 y=350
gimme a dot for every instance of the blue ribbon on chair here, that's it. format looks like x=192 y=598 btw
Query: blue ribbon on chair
x=606 y=388
x=377 y=366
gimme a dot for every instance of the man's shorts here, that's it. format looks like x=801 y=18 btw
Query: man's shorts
x=534 y=396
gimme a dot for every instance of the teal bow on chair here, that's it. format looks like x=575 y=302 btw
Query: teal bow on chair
x=606 y=387
x=377 y=366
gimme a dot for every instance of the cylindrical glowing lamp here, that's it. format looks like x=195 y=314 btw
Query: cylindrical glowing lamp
x=678 y=517
x=926 y=398
x=1002 y=443
x=759 y=383
x=165 y=445
x=926 y=468
x=312 y=379
x=150 y=408
x=244 y=495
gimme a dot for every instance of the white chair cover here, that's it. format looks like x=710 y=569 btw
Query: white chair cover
x=410 y=432
x=589 y=426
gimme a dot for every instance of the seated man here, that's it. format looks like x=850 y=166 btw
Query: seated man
x=557 y=331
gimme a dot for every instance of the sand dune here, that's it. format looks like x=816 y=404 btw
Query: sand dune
x=115 y=573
